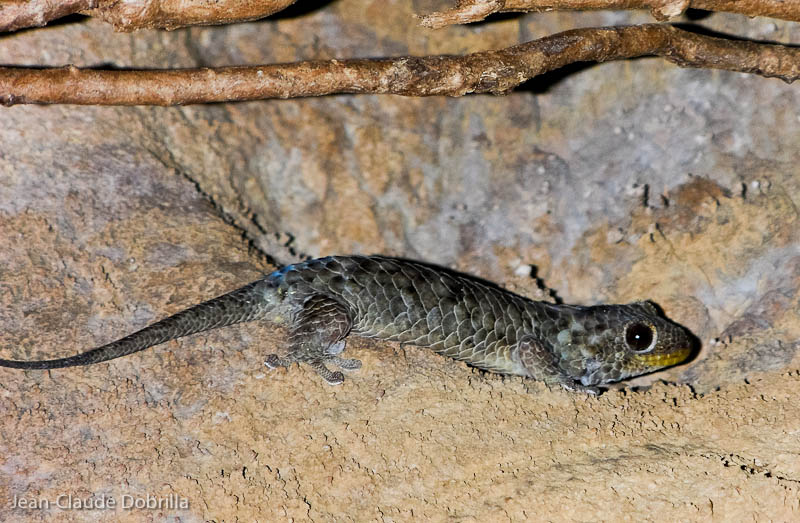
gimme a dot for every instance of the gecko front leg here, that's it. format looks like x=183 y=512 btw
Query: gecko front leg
x=540 y=362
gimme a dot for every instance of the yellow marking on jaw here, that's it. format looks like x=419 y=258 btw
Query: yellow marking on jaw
x=662 y=360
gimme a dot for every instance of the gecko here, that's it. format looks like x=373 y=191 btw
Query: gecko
x=322 y=301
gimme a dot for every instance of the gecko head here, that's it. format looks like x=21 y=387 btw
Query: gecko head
x=614 y=342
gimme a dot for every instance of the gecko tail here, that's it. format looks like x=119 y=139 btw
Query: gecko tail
x=251 y=302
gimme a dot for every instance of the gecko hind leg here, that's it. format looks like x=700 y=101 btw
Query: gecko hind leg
x=317 y=337
x=343 y=363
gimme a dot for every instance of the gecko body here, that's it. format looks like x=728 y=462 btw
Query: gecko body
x=322 y=301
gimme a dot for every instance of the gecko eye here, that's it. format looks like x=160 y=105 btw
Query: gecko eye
x=640 y=337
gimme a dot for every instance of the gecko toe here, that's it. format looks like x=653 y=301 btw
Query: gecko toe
x=345 y=363
x=335 y=378
x=274 y=361
x=331 y=377
x=577 y=387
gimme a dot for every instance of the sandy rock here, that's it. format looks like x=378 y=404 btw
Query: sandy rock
x=612 y=183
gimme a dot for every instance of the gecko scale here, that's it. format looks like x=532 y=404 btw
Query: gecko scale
x=322 y=301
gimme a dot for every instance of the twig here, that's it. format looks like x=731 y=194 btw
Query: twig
x=466 y=11
x=130 y=15
x=19 y=14
x=494 y=72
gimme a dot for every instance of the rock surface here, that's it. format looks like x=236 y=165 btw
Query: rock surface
x=611 y=183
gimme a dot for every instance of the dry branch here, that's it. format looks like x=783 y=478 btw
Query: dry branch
x=466 y=11
x=485 y=72
x=129 y=15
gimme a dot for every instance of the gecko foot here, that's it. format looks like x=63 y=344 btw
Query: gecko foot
x=273 y=361
x=573 y=386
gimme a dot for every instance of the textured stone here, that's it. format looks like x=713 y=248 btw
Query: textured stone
x=617 y=182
